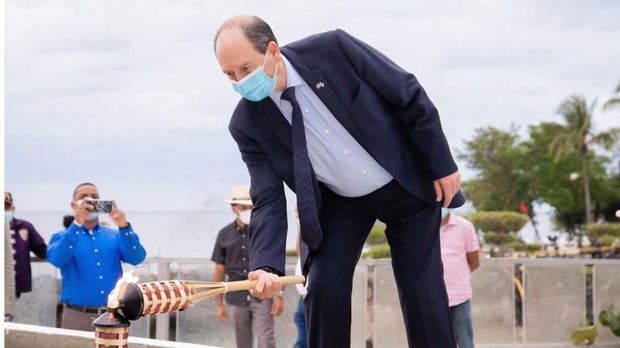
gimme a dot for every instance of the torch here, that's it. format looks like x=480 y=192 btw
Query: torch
x=134 y=300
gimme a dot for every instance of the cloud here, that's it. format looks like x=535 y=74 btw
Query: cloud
x=128 y=94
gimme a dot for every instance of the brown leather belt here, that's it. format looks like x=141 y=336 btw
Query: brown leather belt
x=92 y=310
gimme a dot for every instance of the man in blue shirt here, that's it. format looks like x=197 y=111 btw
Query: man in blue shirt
x=89 y=256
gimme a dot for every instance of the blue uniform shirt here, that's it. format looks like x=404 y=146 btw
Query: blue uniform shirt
x=90 y=261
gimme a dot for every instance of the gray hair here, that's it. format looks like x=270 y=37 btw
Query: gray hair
x=256 y=30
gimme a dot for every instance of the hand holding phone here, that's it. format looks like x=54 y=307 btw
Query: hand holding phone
x=118 y=216
x=100 y=206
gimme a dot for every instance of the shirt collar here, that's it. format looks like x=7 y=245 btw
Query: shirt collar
x=293 y=79
x=239 y=229
x=451 y=221
x=94 y=230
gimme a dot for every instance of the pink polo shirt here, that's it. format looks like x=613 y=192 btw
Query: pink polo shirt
x=458 y=237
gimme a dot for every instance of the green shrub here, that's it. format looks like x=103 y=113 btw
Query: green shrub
x=517 y=246
x=499 y=238
x=606 y=240
x=377 y=235
x=610 y=319
x=584 y=334
x=520 y=246
x=498 y=221
x=596 y=230
x=380 y=251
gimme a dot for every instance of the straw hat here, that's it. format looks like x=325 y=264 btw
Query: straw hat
x=240 y=195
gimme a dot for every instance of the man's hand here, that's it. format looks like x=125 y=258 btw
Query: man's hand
x=267 y=284
x=220 y=312
x=81 y=211
x=447 y=187
x=278 y=306
x=118 y=216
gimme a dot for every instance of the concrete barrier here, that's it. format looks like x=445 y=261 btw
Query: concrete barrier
x=32 y=336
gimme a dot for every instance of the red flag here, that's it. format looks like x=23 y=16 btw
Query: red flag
x=523 y=209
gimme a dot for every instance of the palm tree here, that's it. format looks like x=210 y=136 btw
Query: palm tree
x=576 y=137
x=615 y=100
x=612 y=102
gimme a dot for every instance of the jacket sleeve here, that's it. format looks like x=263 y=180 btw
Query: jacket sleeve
x=409 y=100
x=61 y=246
x=37 y=244
x=268 y=224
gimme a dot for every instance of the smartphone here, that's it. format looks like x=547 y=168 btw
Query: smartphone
x=100 y=206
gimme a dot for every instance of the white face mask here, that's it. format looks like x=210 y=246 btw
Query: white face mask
x=92 y=216
x=244 y=216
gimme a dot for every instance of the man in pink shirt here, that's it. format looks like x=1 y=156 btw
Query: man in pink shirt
x=459 y=253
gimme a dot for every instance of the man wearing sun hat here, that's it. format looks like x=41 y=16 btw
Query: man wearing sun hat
x=231 y=255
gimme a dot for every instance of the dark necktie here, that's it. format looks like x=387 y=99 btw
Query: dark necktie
x=302 y=169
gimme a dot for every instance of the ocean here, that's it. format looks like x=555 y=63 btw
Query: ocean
x=163 y=234
x=193 y=234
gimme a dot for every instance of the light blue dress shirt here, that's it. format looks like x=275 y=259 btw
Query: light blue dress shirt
x=338 y=160
x=90 y=261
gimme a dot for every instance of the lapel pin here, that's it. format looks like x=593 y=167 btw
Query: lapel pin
x=320 y=85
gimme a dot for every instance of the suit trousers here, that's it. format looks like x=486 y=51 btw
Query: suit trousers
x=413 y=235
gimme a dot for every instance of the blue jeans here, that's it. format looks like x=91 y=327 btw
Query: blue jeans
x=300 y=322
x=461 y=324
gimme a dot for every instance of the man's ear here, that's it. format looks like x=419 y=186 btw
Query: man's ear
x=73 y=205
x=272 y=47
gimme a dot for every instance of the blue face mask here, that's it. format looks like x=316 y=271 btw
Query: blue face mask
x=8 y=216
x=444 y=212
x=257 y=85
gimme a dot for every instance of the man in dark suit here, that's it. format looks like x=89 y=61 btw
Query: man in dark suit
x=357 y=139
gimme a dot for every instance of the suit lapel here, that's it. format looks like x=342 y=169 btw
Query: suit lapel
x=319 y=85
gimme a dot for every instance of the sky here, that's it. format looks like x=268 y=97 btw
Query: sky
x=128 y=94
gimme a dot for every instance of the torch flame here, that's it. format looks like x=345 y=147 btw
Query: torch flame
x=113 y=297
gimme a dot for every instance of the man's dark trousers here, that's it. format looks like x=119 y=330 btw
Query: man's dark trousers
x=413 y=234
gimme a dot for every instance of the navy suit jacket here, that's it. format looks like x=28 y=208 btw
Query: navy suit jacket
x=381 y=105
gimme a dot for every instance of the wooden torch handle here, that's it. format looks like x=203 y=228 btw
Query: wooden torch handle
x=249 y=284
